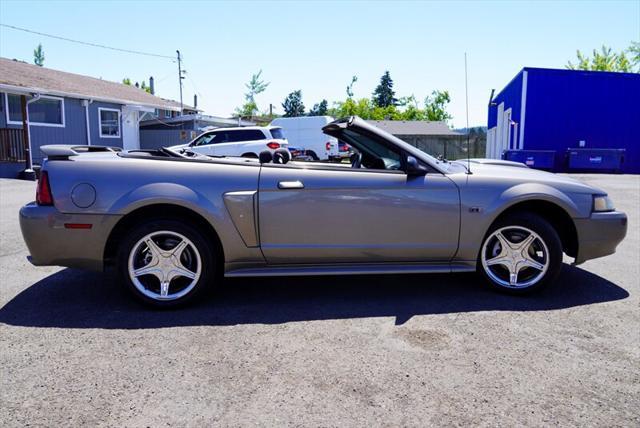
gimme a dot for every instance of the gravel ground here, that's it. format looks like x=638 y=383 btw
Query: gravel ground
x=354 y=351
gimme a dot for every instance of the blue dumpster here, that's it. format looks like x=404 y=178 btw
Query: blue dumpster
x=605 y=160
x=538 y=159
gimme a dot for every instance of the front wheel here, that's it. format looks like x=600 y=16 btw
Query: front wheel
x=165 y=263
x=520 y=253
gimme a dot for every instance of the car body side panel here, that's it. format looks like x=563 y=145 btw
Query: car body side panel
x=51 y=243
x=123 y=185
x=485 y=198
x=346 y=216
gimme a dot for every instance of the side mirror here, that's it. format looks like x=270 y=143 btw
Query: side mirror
x=414 y=168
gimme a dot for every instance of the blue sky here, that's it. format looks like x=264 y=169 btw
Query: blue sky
x=318 y=46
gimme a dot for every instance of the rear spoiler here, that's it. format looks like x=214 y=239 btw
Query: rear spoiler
x=63 y=151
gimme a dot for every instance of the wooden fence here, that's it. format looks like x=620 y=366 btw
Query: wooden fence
x=12 y=145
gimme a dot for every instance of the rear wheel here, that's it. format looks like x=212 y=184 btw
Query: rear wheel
x=165 y=263
x=250 y=155
x=312 y=154
x=521 y=253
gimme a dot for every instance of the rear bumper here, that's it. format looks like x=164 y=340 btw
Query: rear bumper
x=51 y=244
x=600 y=234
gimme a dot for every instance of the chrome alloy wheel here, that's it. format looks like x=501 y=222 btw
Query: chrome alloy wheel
x=164 y=265
x=515 y=257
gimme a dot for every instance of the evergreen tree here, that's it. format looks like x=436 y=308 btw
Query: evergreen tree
x=38 y=55
x=384 y=96
x=320 y=109
x=292 y=105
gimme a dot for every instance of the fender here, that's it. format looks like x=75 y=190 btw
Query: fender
x=473 y=227
x=535 y=192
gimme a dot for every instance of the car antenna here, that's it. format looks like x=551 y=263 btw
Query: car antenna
x=466 y=99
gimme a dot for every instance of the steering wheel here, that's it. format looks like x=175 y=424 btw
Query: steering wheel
x=356 y=160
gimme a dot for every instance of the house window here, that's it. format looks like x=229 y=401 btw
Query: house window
x=109 y=122
x=46 y=111
x=167 y=113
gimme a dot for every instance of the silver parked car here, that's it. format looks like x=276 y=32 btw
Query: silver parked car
x=174 y=223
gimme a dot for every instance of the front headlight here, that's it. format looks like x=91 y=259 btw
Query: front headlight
x=602 y=204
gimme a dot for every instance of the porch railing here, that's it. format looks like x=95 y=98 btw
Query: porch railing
x=12 y=145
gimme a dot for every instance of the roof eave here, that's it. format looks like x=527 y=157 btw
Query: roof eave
x=28 y=90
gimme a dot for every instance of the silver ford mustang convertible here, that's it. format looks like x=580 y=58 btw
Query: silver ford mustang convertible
x=173 y=223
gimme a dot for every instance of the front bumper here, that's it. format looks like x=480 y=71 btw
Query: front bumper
x=600 y=234
x=51 y=244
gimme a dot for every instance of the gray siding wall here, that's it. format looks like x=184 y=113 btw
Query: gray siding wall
x=74 y=130
x=156 y=138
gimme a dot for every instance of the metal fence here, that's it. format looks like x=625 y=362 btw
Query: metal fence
x=449 y=147
x=12 y=145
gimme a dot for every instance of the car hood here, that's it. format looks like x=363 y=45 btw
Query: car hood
x=514 y=172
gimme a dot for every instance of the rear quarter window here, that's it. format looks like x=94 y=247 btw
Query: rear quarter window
x=277 y=133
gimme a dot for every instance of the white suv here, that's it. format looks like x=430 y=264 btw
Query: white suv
x=246 y=142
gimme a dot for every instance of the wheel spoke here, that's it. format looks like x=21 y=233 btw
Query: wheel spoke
x=177 y=251
x=164 y=288
x=154 y=249
x=530 y=262
x=149 y=270
x=177 y=271
x=524 y=245
x=513 y=278
x=500 y=260
x=504 y=242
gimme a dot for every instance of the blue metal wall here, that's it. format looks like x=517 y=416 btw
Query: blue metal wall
x=511 y=96
x=565 y=107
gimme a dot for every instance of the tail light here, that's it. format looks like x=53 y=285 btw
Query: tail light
x=273 y=145
x=43 y=191
x=328 y=145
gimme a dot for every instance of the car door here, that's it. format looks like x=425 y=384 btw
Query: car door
x=335 y=214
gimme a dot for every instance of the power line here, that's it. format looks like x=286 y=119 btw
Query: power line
x=95 y=45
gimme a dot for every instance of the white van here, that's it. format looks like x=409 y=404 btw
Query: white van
x=305 y=134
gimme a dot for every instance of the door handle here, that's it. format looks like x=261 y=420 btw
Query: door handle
x=291 y=185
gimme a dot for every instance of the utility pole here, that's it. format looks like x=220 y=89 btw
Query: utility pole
x=180 y=78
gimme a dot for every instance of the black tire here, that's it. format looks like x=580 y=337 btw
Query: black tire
x=250 y=155
x=198 y=244
x=545 y=232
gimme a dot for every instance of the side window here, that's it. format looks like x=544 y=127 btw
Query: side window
x=247 y=135
x=205 y=139
x=372 y=153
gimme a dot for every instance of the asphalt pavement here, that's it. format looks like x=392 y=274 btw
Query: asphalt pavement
x=410 y=350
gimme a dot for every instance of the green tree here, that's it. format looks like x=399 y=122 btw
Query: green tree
x=320 y=109
x=384 y=96
x=354 y=79
x=254 y=87
x=603 y=60
x=143 y=85
x=634 y=51
x=292 y=105
x=38 y=55
x=436 y=106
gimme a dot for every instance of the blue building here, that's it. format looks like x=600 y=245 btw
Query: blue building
x=566 y=120
x=67 y=108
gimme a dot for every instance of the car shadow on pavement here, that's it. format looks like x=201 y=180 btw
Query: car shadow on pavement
x=77 y=299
